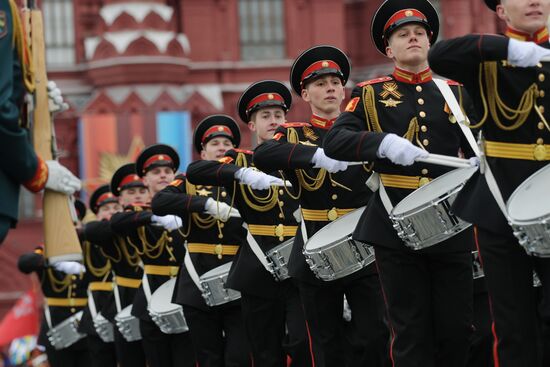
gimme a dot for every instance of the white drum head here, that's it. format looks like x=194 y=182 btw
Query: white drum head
x=433 y=190
x=126 y=312
x=160 y=299
x=217 y=271
x=334 y=231
x=531 y=199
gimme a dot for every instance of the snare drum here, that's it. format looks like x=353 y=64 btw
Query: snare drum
x=167 y=315
x=529 y=213
x=331 y=253
x=66 y=333
x=424 y=218
x=104 y=328
x=213 y=285
x=477 y=268
x=278 y=259
x=128 y=325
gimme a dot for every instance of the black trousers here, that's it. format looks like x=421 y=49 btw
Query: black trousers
x=101 y=354
x=129 y=354
x=218 y=336
x=482 y=339
x=517 y=322
x=323 y=308
x=429 y=303
x=166 y=350
x=76 y=355
x=276 y=328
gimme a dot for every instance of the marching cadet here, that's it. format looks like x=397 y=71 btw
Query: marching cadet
x=64 y=289
x=428 y=292
x=508 y=85
x=123 y=259
x=213 y=239
x=268 y=211
x=23 y=167
x=100 y=287
x=319 y=75
x=160 y=248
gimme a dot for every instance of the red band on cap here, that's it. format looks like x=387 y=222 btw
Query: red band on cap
x=103 y=197
x=156 y=158
x=402 y=14
x=319 y=65
x=216 y=129
x=128 y=180
x=265 y=97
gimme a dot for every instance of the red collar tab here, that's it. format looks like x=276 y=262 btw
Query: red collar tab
x=105 y=198
x=155 y=159
x=319 y=65
x=264 y=97
x=224 y=130
x=321 y=122
x=540 y=36
x=403 y=14
x=133 y=178
x=412 y=78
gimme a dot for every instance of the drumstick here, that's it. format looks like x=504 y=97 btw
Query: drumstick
x=439 y=159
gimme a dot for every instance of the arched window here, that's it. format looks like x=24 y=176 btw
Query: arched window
x=59 y=32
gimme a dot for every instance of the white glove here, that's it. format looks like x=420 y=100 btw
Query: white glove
x=69 y=267
x=61 y=179
x=55 y=99
x=256 y=179
x=168 y=222
x=320 y=160
x=525 y=54
x=474 y=161
x=399 y=150
x=220 y=210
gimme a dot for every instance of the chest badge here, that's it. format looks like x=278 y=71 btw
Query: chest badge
x=390 y=102
x=204 y=192
x=309 y=133
x=390 y=89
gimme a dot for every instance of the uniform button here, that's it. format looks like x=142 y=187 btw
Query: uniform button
x=169 y=239
x=73 y=294
x=541 y=109
x=420 y=101
x=452 y=118
x=540 y=125
x=539 y=65
x=334 y=196
x=281 y=192
x=425 y=142
x=222 y=225
x=224 y=194
x=281 y=203
x=542 y=93
x=418 y=88
x=281 y=215
x=73 y=277
x=540 y=141
x=424 y=171
x=73 y=310
x=333 y=184
x=424 y=128
x=422 y=114
x=220 y=235
x=541 y=77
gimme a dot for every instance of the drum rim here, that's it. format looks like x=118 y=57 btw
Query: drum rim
x=325 y=228
x=516 y=193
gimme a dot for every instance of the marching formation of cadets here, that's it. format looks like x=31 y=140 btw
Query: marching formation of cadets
x=467 y=300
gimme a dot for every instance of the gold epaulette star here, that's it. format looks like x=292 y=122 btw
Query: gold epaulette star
x=203 y=192
x=390 y=102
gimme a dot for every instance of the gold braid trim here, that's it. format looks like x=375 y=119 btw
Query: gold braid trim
x=58 y=285
x=307 y=182
x=371 y=115
x=98 y=272
x=263 y=204
x=132 y=260
x=493 y=104
x=19 y=40
x=148 y=249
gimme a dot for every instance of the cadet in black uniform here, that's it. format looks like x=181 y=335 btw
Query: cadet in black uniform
x=325 y=194
x=64 y=289
x=160 y=248
x=100 y=287
x=268 y=210
x=508 y=87
x=428 y=293
x=213 y=238
x=124 y=263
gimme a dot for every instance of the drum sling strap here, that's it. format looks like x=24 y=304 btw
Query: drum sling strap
x=485 y=170
x=255 y=247
x=118 y=304
x=191 y=268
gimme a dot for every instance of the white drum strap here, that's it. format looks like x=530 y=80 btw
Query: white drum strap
x=48 y=316
x=255 y=247
x=191 y=268
x=303 y=227
x=146 y=287
x=91 y=305
x=118 y=304
x=384 y=195
x=484 y=165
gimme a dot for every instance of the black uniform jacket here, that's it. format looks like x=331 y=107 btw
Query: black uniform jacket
x=187 y=201
x=123 y=258
x=481 y=59
x=272 y=207
x=291 y=151
x=155 y=245
x=414 y=110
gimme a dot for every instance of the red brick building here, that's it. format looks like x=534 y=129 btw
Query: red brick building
x=120 y=63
